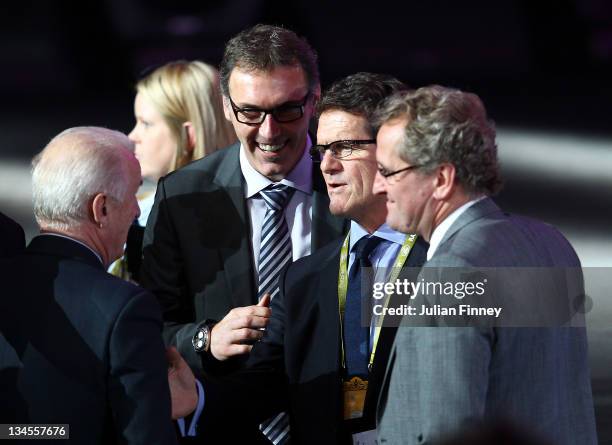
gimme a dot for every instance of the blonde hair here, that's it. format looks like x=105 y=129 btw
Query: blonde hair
x=184 y=91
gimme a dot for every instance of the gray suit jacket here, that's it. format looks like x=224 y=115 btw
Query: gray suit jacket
x=440 y=379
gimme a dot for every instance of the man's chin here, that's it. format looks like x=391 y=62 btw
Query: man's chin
x=394 y=225
x=337 y=207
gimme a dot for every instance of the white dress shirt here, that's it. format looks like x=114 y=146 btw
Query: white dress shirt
x=298 y=212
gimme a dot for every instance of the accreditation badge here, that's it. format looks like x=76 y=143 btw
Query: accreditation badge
x=354 y=397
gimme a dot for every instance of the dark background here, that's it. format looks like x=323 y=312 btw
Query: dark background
x=542 y=64
x=542 y=68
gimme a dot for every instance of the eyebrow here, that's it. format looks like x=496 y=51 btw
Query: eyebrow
x=257 y=107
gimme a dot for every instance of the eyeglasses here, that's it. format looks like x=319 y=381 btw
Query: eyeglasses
x=283 y=113
x=389 y=174
x=339 y=149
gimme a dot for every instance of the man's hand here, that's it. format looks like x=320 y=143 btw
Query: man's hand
x=239 y=329
x=183 y=390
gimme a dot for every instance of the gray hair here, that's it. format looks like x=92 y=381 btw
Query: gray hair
x=445 y=125
x=76 y=165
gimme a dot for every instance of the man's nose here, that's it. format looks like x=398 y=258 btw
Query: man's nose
x=329 y=164
x=380 y=185
x=269 y=128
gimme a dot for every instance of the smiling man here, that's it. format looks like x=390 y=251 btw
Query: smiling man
x=318 y=340
x=438 y=169
x=222 y=228
x=326 y=368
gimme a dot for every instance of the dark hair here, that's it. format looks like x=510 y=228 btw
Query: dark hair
x=360 y=94
x=265 y=47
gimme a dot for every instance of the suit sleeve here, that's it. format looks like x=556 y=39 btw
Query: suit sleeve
x=162 y=273
x=138 y=384
x=260 y=389
x=438 y=383
x=438 y=378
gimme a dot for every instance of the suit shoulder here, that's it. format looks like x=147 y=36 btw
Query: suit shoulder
x=510 y=240
x=110 y=291
x=202 y=172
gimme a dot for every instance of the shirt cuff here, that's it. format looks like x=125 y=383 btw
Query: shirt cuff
x=191 y=432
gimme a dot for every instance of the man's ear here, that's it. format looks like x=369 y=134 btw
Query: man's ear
x=227 y=108
x=191 y=137
x=99 y=210
x=444 y=181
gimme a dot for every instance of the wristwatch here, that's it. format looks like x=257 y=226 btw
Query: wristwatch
x=201 y=338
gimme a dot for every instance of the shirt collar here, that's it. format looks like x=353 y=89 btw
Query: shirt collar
x=440 y=231
x=385 y=232
x=300 y=178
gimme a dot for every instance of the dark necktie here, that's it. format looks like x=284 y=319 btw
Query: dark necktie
x=275 y=246
x=360 y=281
x=274 y=253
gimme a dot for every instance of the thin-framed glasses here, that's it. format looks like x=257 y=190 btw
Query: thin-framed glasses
x=389 y=174
x=283 y=113
x=339 y=149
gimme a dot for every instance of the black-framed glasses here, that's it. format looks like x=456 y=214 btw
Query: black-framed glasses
x=283 y=113
x=388 y=174
x=339 y=149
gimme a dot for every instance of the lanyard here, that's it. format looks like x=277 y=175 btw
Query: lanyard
x=343 y=287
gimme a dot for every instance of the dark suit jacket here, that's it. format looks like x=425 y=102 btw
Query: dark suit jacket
x=442 y=378
x=12 y=238
x=197 y=246
x=81 y=347
x=298 y=363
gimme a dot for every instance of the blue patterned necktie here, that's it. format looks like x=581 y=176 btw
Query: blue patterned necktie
x=274 y=253
x=356 y=335
x=275 y=248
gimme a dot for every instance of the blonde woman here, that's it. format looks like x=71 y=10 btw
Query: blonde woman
x=179 y=118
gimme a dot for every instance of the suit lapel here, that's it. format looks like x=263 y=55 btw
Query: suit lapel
x=482 y=208
x=238 y=258
x=325 y=227
x=327 y=294
x=410 y=271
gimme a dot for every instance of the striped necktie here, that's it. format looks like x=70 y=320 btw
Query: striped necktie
x=274 y=253
x=275 y=247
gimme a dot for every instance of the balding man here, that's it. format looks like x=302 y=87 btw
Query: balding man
x=77 y=345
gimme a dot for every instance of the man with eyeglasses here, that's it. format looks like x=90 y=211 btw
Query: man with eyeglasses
x=223 y=227
x=438 y=167
x=318 y=356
